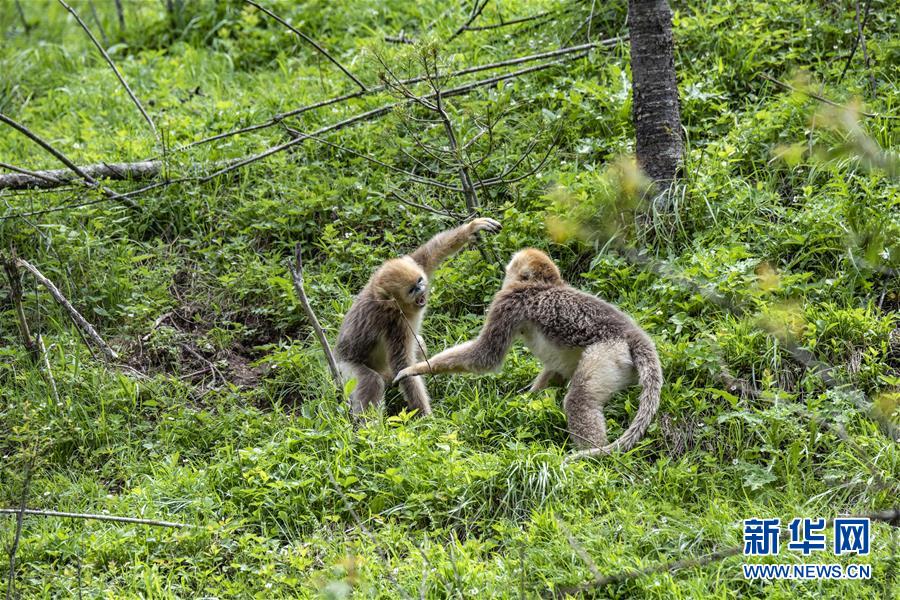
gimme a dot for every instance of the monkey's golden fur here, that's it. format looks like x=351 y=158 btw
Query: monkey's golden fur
x=380 y=333
x=577 y=337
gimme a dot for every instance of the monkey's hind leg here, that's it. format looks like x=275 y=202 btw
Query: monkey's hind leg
x=604 y=369
x=369 y=388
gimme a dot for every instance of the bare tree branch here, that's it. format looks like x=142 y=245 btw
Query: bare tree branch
x=310 y=41
x=27 y=179
x=93 y=517
x=517 y=21
x=477 y=8
x=296 y=270
x=275 y=120
x=76 y=317
x=112 y=66
x=64 y=160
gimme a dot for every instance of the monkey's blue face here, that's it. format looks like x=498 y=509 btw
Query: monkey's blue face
x=417 y=292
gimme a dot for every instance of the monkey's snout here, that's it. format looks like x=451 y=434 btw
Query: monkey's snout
x=421 y=299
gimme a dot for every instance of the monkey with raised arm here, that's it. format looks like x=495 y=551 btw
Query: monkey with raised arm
x=380 y=334
x=577 y=337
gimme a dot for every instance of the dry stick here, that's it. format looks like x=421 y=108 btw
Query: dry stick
x=891 y=516
x=28 y=179
x=97 y=21
x=15 y=295
x=46 y=361
x=112 y=66
x=90 y=181
x=580 y=551
x=121 y=15
x=94 y=517
x=856 y=38
x=476 y=11
x=310 y=41
x=362 y=526
x=20 y=519
x=296 y=270
x=823 y=99
x=76 y=317
x=413 y=176
x=31 y=175
x=22 y=17
x=539 y=15
x=424 y=207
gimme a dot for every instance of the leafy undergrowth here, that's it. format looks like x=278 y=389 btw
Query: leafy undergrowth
x=781 y=235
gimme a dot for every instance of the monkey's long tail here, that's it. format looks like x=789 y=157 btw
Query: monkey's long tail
x=650 y=377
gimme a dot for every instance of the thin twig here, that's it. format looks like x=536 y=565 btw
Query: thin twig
x=891 y=516
x=822 y=99
x=93 y=517
x=310 y=41
x=97 y=21
x=15 y=296
x=476 y=11
x=424 y=207
x=76 y=317
x=112 y=66
x=517 y=21
x=296 y=270
x=46 y=362
x=579 y=550
x=20 y=519
x=856 y=38
x=22 y=17
x=275 y=120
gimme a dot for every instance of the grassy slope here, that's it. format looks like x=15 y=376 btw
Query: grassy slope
x=478 y=488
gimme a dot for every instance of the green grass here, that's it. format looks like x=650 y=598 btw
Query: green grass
x=782 y=212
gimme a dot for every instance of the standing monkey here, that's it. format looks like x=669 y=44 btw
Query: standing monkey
x=380 y=334
x=577 y=337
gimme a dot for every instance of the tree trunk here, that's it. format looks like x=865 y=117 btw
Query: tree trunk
x=655 y=109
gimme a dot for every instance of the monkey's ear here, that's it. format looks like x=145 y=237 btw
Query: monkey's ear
x=525 y=274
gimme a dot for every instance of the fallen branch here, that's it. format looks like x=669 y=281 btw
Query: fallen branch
x=90 y=181
x=296 y=270
x=76 y=317
x=93 y=517
x=112 y=66
x=27 y=179
x=891 y=516
x=310 y=41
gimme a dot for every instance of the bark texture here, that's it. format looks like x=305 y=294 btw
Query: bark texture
x=655 y=107
x=49 y=179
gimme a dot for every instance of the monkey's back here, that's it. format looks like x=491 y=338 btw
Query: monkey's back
x=364 y=325
x=573 y=318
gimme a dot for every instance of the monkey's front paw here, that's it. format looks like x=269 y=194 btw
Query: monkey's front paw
x=407 y=372
x=485 y=224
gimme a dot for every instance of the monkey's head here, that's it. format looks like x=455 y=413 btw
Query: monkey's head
x=531 y=266
x=402 y=280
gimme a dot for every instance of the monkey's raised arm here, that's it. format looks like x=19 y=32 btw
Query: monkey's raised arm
x=484 y=353
x=433 y=252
